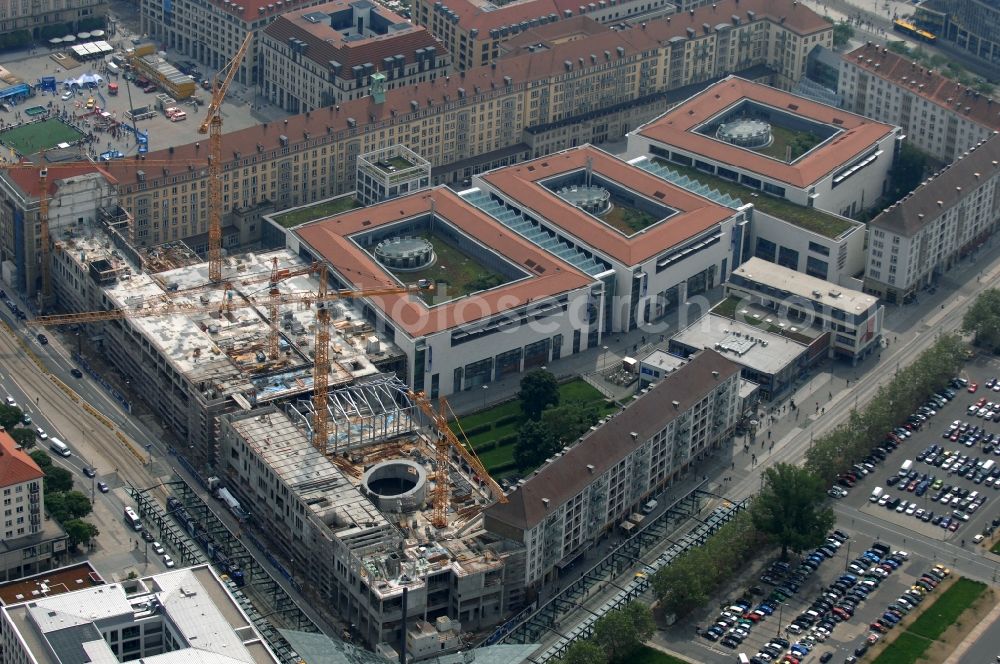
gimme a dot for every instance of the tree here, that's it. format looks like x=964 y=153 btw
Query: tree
x=842 y=33
x=535 y=443
x=569 y=421
x=983 y=319
x=42 y=458
x=907 y=171
x=684 y=585
x=80 y=532
x=65 y=506
x=584 y=652
x=790 y=507
x=23 y=437
x=620 y=633
x=58 y=479
x=539 y=390
x=10 y=416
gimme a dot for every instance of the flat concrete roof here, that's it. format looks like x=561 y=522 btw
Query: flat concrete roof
x=805 y=286
x=53 y=582
x=744 y=344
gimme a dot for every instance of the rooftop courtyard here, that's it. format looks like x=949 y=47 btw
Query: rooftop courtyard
x=320 y=210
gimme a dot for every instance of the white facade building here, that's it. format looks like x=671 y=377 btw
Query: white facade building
x=777 y=144
x=176 y=617
x=852 y=319
x=592 y=487
x=941 y=117
x=916 y=240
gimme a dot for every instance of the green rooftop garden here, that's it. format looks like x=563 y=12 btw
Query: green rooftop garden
x=627 y=219
x=454 y=273
x=728 y=309
x=811 y=219
x=800 y=142
x=320 y=210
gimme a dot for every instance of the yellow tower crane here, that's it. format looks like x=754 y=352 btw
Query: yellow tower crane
x=321 y=366
x=212 y=125
x=447 y=440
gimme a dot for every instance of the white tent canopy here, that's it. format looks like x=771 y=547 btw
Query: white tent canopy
x=86 y=80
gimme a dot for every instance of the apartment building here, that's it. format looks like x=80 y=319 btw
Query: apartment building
x=972 y=25
x=590 y=488
x=30 y=543
x=852 y=319
x=344 y=50
x=938 y=115
x=211 y=31
x=473 y=31
x=76 y=196
x=44 y=19
x=585 y=90
x=914 y=242
x=186 y=614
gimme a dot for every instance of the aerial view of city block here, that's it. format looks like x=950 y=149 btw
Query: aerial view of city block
x=500 y=331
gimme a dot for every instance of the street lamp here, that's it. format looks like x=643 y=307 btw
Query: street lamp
x=781 y=608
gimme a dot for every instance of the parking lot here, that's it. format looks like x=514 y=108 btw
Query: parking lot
x=240 y=110
x=831 y=606
x=943 y=479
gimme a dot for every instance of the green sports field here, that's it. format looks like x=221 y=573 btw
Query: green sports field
x=44 y=135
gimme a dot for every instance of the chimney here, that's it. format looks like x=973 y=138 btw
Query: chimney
x=634 y=435
x=545 y=501
x=677 y=404
x=715 y=374
x=590 y=468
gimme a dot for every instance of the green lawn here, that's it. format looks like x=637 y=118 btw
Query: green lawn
x=932 y=623
x=626 y=218
x=43 y=135
x=575 y=390
x=454 y=273
x=647 y=655
x=801 y=142
x=320 y=210
x=996 y=547
x=940 y=615
x=811 y=219
x=728 y=307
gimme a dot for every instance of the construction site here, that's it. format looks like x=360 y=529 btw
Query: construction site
x=360 y=523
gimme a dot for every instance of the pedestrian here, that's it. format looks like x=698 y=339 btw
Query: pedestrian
x=733 y=466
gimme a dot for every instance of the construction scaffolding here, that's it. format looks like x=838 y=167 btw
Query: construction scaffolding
x=362 y=414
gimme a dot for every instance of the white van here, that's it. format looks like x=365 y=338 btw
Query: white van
x=59 y=447
x=744 y=659
x=649 y=507
x=876 y=494
x=988 y=466
x=113 y=68
x=906 y=467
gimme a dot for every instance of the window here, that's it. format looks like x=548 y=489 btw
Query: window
x=819 y=248
x=766 y=250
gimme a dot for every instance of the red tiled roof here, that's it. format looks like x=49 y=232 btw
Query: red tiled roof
x=797 y=17
x=16 y=467
x=676 y=128
x=326 y=43
x=585 y=462
x=695 y=214
x=549 y=275
x=27 y=180
x=923 y=81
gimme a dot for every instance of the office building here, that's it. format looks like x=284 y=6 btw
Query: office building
x=568 y=248
x=849 y=320
x=913 y=243
x=591 y=487
x=183 y=615
x=22 y=22
x=777 y=144
x=337 y=51
x=570 y=92
x=211 y=31
x=390 y=173
x=30 y=543
x=971 y=25
x=938 y=115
